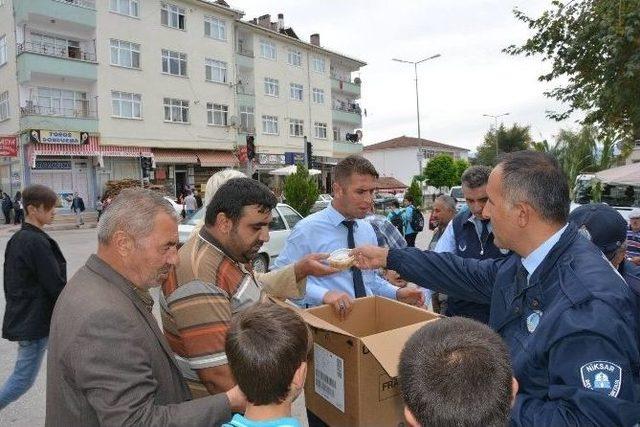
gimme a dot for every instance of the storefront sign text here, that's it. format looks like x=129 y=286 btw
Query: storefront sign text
x=9 y=146
x=58 y=137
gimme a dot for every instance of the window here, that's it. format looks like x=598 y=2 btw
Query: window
x=320 y=130
x=3 y=50
x=56 y=46
x=125 y=54
x=318 y=96
x=125 y=7
x=336 y=134
x=173 y=16
x=296 y=127
x=126 y=105
x=4 y=105
x=277 y=223
x=290 y=215
x=217 y=114
x=271 y=87
x=215 y=28
x=295 y=58
x=174 y=63
x=215 y=71
x=270 y=125
x=247 y=118
x=295 y=91
x=176 y=110
x=61 y=102
x=268 y=49
x=318 y=65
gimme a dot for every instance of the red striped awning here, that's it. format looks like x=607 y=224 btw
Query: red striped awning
x=176 y=156
x=90 y=149
x=217 y=158
x=205 y=158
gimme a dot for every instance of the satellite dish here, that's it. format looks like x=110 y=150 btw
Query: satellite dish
x=357 y=81
x=359 y=134
x=233 y=121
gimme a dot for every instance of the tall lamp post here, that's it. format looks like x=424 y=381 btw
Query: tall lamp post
x=415 y=70
x=495 y=118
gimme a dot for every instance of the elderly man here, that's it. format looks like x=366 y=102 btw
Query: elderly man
x=633 y=237
x=109 y=363
x=444 y=209
x=569 y=319
x=470 y=235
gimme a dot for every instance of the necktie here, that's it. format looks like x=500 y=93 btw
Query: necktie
x=358 y=283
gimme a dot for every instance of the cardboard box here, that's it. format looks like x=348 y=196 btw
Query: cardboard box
x=352 y=376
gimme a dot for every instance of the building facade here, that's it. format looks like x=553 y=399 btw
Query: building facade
x=405 y=157
x=88 y=89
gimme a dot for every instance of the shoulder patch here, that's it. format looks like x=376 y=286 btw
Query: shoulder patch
x=602 y=376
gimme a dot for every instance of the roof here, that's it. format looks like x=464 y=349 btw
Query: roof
x=625 y=175
x=389 y=183
x=407 y=142
x=293 y=38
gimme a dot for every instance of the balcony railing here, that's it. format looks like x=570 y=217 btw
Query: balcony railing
x=82 y=112
x=242 y=90
x=246 y=129
x=68 y=52
x=337 y=76
x=349 y=108
x=245 y=52
x=87 y=4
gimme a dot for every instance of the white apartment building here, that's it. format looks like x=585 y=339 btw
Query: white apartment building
x=88 y=88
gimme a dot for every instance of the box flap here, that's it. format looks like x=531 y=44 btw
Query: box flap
x=387 y=346
x=319 y=323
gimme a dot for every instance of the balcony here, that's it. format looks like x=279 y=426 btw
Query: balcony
x=348 y=88
x=350 y=114
x=345 y=148
x=80 y=12
x=82 y=118
x=68 y=52
x=245 y=96
x=30 y=63
x=244 y=58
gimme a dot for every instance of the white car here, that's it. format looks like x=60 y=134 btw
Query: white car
x=284 y=218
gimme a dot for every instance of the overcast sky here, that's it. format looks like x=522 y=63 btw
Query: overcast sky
x=473 y=76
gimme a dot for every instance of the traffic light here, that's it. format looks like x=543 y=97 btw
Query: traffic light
x=251 y=147
x=309 y=155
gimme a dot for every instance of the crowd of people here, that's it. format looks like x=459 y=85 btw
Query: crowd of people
x=541 y=328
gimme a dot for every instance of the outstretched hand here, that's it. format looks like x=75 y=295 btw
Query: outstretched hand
x=370 y=257
x=313 y=265
x=411 y=296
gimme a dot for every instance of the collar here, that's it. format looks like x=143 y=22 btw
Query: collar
x=103 y=269
x=208 y=238
x=535 y=258
x=335 y=217
x=31 y=227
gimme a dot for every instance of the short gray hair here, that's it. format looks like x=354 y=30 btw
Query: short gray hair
x=476 y=176
x=448 y=201
x=133 y=211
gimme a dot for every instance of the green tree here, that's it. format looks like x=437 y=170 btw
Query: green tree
x=461 y=166
x=441 y=171
x=415 y=192
x=515 y=138
x=592 y=46
x=301 y=190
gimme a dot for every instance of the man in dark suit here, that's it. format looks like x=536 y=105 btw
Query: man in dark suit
x=109 y=363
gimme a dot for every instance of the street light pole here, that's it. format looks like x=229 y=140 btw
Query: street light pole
x=415 y=70
x=495 y=118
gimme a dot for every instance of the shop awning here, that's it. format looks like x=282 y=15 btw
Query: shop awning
x=217 y=159
x=90 y=149
x=205 y=158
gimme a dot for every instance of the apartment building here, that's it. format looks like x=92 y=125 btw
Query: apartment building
x=89 y=88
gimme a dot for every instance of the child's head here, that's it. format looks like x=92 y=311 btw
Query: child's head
x=456 y=372
x=267 y=348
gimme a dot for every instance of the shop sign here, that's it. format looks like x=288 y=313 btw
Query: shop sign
x=9 y=146
x=58 y=137
x=293 y=158
x=271 y=159
x=53 y=164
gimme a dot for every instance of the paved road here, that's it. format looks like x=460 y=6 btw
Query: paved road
x=76 y=245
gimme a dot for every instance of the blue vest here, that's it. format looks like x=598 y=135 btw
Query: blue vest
x=468 y=245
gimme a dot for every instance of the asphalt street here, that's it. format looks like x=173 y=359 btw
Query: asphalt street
x=76 y=245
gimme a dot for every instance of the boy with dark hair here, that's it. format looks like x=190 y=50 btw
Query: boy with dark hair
x=35 y=272
x=267 y=348
x=456 y=372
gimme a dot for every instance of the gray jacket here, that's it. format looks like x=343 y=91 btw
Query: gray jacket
x=109 y=363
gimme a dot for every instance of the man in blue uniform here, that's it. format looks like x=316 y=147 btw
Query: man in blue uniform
x=470 y=235
x=569 y=319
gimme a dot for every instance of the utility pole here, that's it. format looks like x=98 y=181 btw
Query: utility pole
x=495 y=118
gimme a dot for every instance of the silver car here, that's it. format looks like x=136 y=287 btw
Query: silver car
x=283 y=219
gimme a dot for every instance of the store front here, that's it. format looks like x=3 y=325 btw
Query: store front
x=10 y=166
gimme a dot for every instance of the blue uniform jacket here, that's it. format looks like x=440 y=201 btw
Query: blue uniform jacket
x=572 y=329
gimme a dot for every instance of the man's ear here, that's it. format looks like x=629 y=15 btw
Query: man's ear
x=411 y=420
x=123 y=243
x=524 y=212
x=299 y=376
x=337 y=189
x=514 y=389
x=223 y=223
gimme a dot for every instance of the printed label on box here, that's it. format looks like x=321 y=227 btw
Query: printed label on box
x=329 y=376
x=388 y=387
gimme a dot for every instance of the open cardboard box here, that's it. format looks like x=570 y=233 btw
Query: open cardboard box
x=352 y=377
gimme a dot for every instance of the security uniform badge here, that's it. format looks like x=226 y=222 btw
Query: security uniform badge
x=533 y=320
x=602 y=376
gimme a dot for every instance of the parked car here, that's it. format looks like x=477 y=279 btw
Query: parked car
x=178 y=207
x=383 y=201
x=322 y=202
x=456 y=193
x=283 y=219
